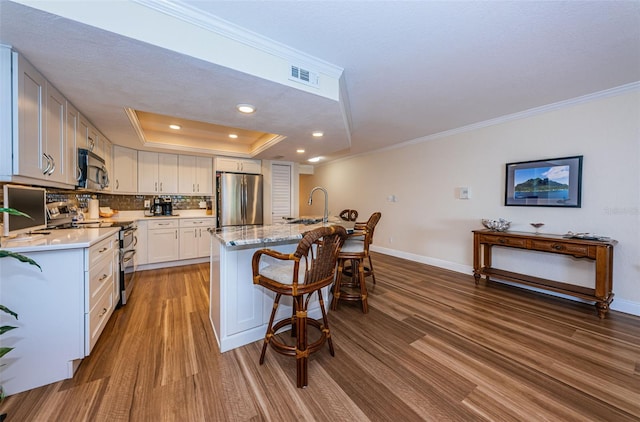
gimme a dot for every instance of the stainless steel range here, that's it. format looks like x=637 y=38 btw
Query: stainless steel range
x=128 y=242
x=61 y=216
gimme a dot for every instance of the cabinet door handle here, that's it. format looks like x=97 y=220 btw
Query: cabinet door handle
x=45 y=171
x=558 y=247
x=198 y=185
x=193 y=187
x=160 y=186
x=117 y=184
x=103 y=249
x=155 y=188
x=53 y=167
x=104 y=311
x=176 y=234
x=104 y=277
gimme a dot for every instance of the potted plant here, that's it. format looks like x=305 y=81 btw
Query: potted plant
x=5 y=328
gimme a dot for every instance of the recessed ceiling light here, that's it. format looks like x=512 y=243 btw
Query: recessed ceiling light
x=175 y=127
x=246 y=108
x=233 y=136
x=317 y=134
x=314 y=159
x=299 y=151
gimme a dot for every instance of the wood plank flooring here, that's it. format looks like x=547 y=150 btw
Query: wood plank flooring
x=433 y=347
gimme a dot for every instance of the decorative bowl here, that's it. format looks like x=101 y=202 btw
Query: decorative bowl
x=499 y=225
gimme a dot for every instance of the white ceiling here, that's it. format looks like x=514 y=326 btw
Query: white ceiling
x=411 y=69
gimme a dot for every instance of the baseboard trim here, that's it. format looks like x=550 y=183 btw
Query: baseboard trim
x=620 y=305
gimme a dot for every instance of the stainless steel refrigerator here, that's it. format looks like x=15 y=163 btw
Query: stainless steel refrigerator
x=239 y=199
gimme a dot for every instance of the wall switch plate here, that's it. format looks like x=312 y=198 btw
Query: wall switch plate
x=147 y=203
x=202 y=204
x=463 y=193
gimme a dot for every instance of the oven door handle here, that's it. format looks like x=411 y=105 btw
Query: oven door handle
x=127 y=256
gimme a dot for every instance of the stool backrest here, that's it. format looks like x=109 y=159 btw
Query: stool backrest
x=321 y=260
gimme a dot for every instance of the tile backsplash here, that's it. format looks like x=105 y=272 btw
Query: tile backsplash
x=118 y=202
x=124 y=202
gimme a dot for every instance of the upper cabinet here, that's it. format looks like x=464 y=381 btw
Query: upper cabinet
x=72 y=172
x=157 y=173
x=238 y=165
x=124 y=178
x=39 y=146
x=195 y=175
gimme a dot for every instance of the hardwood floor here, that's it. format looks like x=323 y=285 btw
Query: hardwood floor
x=433 y=347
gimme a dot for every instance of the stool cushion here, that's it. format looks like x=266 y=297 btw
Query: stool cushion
x=281 y=271
x=353 y=245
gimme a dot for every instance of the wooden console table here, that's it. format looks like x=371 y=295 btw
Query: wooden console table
x=599 y=251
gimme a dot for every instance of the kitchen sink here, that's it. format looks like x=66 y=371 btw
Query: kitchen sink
x=307 y=221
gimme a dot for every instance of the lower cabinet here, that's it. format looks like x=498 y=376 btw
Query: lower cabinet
x=162 y=241
x=194 y=238
x=62 y=311
x=173 y=239
x=101 y=276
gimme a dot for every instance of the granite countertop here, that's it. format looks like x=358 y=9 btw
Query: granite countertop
x=274 y=233
x=60 y=239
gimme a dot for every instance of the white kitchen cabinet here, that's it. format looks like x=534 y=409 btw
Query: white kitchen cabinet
x=195 y=175
x=71 y=135
x=124 y=177
x=141 y=257
x=162 y=241
x=238 y=165
x=89 y=135
x=194 y=237
x=105 y=150
x=60 y=309
x=31 y=106
x=157 y=173
x=54 y=137
x=39 y=148
x=100 y=278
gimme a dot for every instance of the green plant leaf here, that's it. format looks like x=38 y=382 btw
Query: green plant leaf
x=5 y=328
x=8 y=311
x=5 y=350
x=19 y=257
x=15 y=212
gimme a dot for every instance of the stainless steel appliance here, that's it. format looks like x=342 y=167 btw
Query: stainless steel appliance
x=239 y=199
x=92 y=171
x=128 y=241
x=161 y=205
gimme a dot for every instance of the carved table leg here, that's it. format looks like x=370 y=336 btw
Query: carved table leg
x=476 y=276
x=602 y=307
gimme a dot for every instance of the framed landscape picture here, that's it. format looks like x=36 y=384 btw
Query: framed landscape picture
x=556 y=182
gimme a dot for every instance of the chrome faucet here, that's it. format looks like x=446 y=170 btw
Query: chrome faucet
x=325 y=218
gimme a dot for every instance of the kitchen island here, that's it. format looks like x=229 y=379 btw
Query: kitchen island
x=239 y=310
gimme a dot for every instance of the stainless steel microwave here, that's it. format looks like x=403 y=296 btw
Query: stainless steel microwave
x=93 y=174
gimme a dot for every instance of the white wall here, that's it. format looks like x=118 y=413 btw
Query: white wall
x=429 y=224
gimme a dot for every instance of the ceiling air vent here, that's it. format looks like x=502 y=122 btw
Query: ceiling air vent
x=304 y=76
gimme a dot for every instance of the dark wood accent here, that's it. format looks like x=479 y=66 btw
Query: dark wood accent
x=355 y=251
x=599 y=251
x=315 y=260
x=433 y=347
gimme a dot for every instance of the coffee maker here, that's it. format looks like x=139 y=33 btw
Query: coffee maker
x=157 y=206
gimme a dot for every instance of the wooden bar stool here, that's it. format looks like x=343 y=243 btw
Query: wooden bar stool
x=299 y=275
x=355 y=250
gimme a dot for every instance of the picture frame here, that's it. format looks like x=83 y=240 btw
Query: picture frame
x=555 y=182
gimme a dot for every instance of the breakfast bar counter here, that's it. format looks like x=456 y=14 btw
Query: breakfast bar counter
x=239 y=310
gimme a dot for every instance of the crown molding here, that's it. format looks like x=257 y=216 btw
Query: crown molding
x=619 y=90
x=195 y=16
